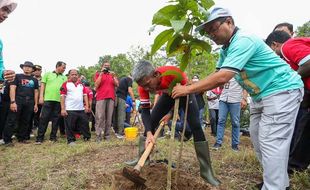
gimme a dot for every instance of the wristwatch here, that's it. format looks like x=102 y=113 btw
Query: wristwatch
x=12 y=102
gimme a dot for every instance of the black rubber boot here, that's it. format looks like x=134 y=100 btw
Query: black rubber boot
x=141 y=148
x=203 y=156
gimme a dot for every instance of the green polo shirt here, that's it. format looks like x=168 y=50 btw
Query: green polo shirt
x=53 y=82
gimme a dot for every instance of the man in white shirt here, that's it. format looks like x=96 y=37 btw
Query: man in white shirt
x=73 y=108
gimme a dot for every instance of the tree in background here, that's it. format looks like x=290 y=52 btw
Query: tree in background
x=304 y=30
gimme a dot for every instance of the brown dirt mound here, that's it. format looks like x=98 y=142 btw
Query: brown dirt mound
x=156 y=178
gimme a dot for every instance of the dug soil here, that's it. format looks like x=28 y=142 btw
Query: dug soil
x=156 y=178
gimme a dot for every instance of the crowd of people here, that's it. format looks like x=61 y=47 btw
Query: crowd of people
x=272 y=76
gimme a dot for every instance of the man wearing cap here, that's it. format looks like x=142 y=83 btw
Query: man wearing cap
x=50 y=99
x=24 y=100
x=276 y=91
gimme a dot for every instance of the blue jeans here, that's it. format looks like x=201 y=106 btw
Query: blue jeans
x=201 y=113
x=234 y=110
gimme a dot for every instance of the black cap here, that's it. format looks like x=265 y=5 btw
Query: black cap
x=27 y=63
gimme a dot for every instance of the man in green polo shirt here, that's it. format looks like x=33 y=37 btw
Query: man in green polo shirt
x=50 y=98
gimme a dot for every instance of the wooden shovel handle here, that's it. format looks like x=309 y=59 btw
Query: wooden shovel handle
x=149 y=147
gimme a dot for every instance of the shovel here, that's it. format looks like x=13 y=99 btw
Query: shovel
x=134 y=174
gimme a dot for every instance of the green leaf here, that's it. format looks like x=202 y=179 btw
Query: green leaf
x=161 y=39
x=172 y=84
x=178 y=25
x=174 y=43
x=200 y=45
x=192 y=6
x=207 y=4
x=164 y=15
x=184 y=61
x=175 y=73
x=187 y=28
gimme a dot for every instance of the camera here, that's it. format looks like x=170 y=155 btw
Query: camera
x=105 y=70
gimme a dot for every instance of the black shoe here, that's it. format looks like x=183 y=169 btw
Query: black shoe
x=53 y=140
x=216 y=146
x=235 y=148
x=86 y=139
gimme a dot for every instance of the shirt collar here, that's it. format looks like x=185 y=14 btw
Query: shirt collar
x=231 y=38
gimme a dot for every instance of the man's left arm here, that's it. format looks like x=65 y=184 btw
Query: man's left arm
x=304 y=69
x=115 y=80
x=36 y=100
x=86 y=103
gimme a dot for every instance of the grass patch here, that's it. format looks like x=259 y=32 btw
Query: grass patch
x=89 y=165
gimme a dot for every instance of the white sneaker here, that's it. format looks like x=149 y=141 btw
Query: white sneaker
x=119 y=136
x=1 y=142
x=72 y=144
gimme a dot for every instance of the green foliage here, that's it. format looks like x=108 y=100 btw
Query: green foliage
x=304 y=30
x=161 y=39
x=165 y=14
x=181 y=16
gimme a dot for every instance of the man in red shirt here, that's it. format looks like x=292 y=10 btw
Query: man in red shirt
x=152 y=80
x=296 y=52
x=105 y=83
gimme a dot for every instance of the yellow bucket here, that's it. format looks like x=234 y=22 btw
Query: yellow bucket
x=131 y=133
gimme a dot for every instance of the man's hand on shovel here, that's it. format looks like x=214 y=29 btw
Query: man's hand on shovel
x=149 y=139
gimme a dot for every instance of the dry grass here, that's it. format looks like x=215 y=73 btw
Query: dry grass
x=90 y=165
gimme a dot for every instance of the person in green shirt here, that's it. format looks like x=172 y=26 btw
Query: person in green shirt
x=50 y=99
x=276 y=91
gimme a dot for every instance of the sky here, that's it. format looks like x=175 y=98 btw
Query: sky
x=76 y=32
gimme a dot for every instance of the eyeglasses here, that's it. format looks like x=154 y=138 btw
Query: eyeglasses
x=212 y=29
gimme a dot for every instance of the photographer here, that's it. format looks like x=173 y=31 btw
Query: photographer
x=105 y=83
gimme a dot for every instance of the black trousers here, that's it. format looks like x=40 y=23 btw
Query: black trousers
x=77 y=118
x=166 y=103
x=21 y=118
x=50 y=111
x=36 y=117
x=34 y=121
x=299 y=158
x=4 y=111
x=61 y=125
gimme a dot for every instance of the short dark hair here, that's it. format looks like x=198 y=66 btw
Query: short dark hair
x=60 y=63
x=277 y=36
x=69 y=72
x=286 y=24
